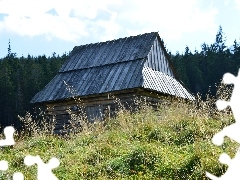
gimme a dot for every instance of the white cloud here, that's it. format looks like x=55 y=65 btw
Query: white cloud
x=69 y=29
x=226 y=2
x=171 y=18
x=79 y=18
x=238 y=4
x=29 y=18
x=25 y=7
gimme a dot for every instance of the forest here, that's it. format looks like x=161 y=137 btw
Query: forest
x=22 y=77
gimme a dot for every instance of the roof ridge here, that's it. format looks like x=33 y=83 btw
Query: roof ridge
x=114 y=39
x=113 y=51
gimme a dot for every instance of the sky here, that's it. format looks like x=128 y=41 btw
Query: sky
x=39 y=27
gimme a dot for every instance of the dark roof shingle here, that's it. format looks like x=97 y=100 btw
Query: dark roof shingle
x=90 y=81
x=109 y=66
x=110 y=52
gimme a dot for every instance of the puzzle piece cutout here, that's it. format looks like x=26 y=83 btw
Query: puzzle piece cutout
x=3 y=165
x=234 y=100
x=231 y=131
x=8 y=133
x=8 y=141
x=233 y=172
x=18 y=176
x=44 y=170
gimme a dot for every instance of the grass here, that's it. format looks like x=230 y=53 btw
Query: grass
x=172 y=142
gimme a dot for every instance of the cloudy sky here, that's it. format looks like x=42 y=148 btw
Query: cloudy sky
x=38 y=27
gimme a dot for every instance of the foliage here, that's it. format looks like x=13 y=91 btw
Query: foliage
x=172 y=142
x=202 y=71
x=20 y=79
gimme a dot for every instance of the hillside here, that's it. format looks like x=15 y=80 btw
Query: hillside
x=172 y=142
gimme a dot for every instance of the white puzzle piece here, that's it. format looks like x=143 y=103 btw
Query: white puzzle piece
x=232 y=131
x=44 y=170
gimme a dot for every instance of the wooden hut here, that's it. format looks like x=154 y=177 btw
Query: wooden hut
x=126 y=68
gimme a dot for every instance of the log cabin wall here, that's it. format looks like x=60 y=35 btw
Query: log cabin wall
x=98 y=107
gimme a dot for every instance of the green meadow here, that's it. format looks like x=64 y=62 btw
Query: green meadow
x=172 y=141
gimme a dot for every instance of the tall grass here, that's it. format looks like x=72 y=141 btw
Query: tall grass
x=170 y=142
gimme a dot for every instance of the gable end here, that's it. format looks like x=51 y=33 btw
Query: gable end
x=157 y=60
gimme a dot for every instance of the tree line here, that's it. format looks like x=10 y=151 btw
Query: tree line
x=22 y=77
x=202 y=71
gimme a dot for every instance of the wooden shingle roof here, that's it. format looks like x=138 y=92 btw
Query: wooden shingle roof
x=110 y=52
x=110 y=66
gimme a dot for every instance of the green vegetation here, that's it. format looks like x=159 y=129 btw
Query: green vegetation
x=202 y=70
x=172 y=142
x=20 y=79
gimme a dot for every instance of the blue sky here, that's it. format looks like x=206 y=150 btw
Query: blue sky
x=38 y=27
